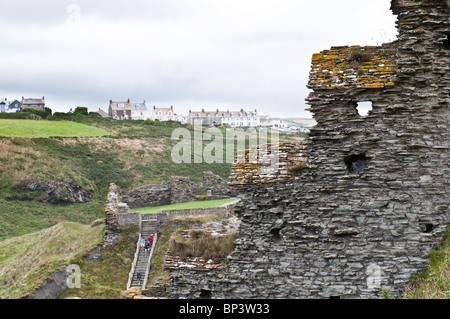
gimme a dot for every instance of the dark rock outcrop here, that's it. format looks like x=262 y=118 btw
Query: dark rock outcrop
x=59 y=193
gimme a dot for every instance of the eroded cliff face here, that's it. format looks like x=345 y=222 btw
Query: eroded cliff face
x=371 y=200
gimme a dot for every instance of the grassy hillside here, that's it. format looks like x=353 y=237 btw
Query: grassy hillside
x=27 y=128
x=106 y=279
x=139 y=153
x=26 y=261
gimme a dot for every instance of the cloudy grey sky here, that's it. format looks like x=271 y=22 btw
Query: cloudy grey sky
x=192 y=54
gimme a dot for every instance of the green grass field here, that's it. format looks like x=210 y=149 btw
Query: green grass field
x=29 y=128
x=194 y=204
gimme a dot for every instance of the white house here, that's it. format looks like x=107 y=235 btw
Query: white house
x=10 y=107
x=163 y=114
x=139 y=111
x=233 y=118
x=273 y=122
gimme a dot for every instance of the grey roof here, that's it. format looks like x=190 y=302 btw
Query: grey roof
x=33 y=101
x=11 y=104
x=138 y=107
x=163 y=109
x=102 y=113
x=15 y=104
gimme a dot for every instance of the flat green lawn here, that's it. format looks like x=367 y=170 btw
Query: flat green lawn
x=43 y=128
x=195 y=204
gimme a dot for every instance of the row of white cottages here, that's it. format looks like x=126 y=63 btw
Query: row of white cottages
x=122 y=110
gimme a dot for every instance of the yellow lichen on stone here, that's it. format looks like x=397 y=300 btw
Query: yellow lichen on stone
x=355 y=66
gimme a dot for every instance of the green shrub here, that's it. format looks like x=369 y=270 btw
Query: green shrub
x=81 y=110
x=19 y=116
x=42 y=114
x=154 y=123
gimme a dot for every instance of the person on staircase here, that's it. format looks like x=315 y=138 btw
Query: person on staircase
x=138 y=277
x=147 y=248
x=150 y=239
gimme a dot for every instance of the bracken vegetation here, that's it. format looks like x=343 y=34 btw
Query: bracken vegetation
x=200 y=243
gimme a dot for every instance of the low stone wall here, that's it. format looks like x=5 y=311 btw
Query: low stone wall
x=118 y=214
x=127 y=219
x=165 y=215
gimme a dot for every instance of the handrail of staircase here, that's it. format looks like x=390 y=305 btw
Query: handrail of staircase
x=133 y=266
x=147 y=271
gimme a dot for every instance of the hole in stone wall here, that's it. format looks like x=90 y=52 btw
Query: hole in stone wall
x=427 y=228
x=356 y=163
x=364 y=108
x=205 y=294
x=276 y=235
x=447 y=43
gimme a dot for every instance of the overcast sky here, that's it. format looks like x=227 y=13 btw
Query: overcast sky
x=192 y=54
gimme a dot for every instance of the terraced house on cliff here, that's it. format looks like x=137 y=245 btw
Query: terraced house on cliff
x=368 y=198
x=233 y=118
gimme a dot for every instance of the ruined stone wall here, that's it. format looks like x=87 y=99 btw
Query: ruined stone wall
x=112 y=230
x=179 y=190
x=148 y=196
x=117 y=214
x=127 y=218
x=372 y=201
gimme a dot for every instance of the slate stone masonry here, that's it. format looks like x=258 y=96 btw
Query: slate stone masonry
x=373 y=199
